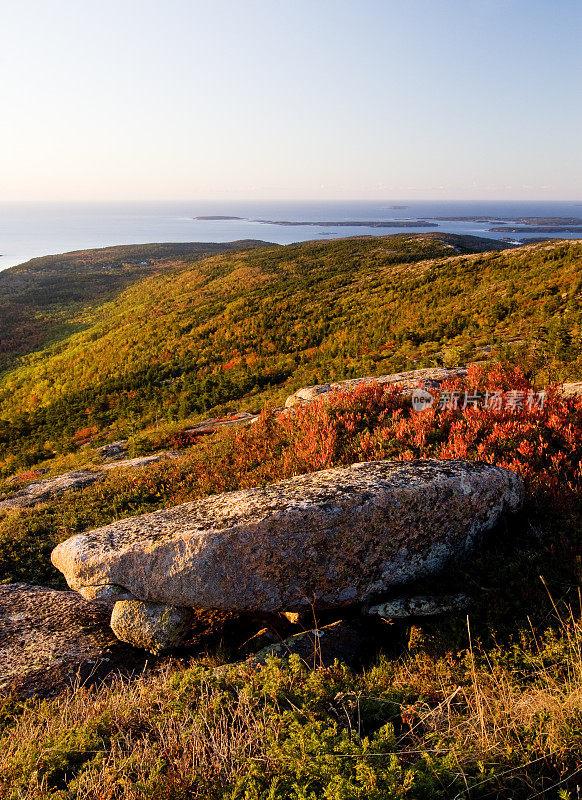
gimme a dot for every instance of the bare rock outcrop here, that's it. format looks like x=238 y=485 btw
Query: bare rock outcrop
x=113 y=451
x=50 y=640
x=405 y=380
x=140 y=461
x=47 y=488
x=571 y=390
x=334 y=538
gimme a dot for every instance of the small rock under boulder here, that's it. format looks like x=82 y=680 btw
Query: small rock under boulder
x=335 y=538
x=150 y=626
x=419 y=606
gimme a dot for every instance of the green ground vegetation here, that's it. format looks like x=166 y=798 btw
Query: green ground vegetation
x=48 y=298
x=236 y=330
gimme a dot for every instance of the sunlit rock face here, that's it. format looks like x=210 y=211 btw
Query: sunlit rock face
x=329 y=539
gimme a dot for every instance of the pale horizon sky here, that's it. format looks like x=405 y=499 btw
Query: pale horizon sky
x=312 y=99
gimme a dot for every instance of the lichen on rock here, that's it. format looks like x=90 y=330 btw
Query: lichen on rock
x=150 y=626
x=329 y=539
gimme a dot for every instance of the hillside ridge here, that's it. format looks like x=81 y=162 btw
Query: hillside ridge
x=244 y=328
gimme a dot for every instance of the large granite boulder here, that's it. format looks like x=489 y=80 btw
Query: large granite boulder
x=50 y=640
x=333 y=538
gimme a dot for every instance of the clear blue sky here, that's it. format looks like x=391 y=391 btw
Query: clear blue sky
x=291 y=99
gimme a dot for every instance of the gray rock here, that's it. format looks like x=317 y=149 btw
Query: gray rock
x=113 y=450
x=405 y=380
x=51 y=640
x=150 y=626
x=334 y=538
x=140 y=461
x=46 y=489
x=419 y=606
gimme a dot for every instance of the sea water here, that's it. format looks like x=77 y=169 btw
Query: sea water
x=30 y=230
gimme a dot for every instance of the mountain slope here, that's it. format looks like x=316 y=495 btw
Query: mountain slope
x=260 y=323
x=50 y=297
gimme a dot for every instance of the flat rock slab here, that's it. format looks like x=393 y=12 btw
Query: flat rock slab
x=50 y=640
x=405 y=380
x=47 y=488
x=140 y=461
x=333 y=538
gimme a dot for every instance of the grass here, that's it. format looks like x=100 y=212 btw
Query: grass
x=471 y=723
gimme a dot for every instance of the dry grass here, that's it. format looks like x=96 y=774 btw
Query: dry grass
x=132 y=730
x=481 y=724
x=518 y=722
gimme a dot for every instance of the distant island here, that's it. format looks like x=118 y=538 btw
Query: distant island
x=553 y=225
x=538 y=229
x=546 y=221
x=217 y=217
x=421 y=223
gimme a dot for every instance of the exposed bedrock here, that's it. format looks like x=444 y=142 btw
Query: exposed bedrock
x=52 y=640
x=329 y=539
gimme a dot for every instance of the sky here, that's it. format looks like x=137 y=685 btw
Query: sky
x=290 y=99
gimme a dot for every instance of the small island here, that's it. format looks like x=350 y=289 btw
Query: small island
x=216 y=218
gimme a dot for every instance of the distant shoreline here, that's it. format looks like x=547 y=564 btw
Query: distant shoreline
x=526 y=221
x=421 y=223
x=538 y=229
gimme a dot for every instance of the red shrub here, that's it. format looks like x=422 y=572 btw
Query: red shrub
x=544 y=445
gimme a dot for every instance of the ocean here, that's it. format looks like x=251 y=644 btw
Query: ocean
x=30 y=230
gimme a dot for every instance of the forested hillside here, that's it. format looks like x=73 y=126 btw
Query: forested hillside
x=48 y=298
x=240 y=328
